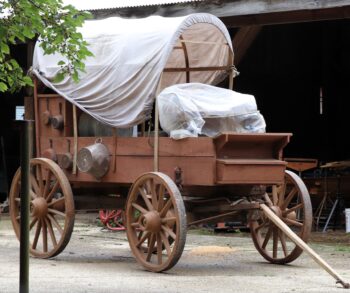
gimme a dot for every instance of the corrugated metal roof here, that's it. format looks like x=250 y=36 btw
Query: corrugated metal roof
x=109 y=4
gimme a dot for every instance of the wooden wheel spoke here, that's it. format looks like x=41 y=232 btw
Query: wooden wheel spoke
x=169 y=231
x=55 y=223
x=148 y=186
x=263 y=224
x=44 y=233
x=146 y=199
x=37 y=234
x=40 y=179
x=166 y=207
x=292 y=222
x=143 y=238
x=161 y=190
x=283 y=242
x=139 y=208
x=274 y=195
x=293 y=209
x=32 y=223
x=51 y=232
x=267 y=237
x=35 y=185
x=268 y=200
x=53 y=191
x=56 y=212
x=166 y=243
x=288 y=199
x=150 y=247
x=55 y=201
x=159 y=249
x=154 y=195
x=168 y=219
x=47 y=183
x=33 y=195
x=275 y=242
x=281 y=194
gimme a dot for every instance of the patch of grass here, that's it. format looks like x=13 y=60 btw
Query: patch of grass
x=201 y=231
x=342 y=248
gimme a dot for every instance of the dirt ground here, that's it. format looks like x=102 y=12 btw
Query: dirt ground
x=97 y=260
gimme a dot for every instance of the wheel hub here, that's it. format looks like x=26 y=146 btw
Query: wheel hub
x=39 y=207
x=151 y=221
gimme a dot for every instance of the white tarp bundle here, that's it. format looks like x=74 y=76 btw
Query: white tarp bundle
x=186 y=110
x=122 y=78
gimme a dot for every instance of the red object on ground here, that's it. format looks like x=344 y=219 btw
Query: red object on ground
x=112 y=219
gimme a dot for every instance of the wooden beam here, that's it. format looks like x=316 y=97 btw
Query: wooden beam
x=236 y=13
x=287 y=17
x=243 y=40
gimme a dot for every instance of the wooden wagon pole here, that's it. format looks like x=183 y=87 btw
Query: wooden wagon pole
x=231 y=64
x=75 y=140
x=301 y=244
x=156 y=129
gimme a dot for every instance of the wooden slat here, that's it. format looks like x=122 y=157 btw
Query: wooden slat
x=209 y=68
x=49 y=96
x=186 y=59
x=142 y=146
x=251 y=162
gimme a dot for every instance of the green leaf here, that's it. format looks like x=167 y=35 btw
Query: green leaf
x=59 y=77
x=5 y=48
x=28 y=81
x=61 y=62
x=3 y=87
x=75 y=76
x=27 y=32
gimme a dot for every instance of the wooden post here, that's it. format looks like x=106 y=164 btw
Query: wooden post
x=230 y=63
x=75 y=140
x=37 y=119
x=156 y=130
x=300 y=243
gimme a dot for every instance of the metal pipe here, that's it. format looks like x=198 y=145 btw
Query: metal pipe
x=26 y=143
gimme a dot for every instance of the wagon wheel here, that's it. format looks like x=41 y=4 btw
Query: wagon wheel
x=156 y=221
x=51 y=206
x=291 y=202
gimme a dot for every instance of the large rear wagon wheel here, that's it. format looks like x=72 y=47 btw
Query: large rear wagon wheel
x=52 y=208
x=291 y=202
x=156 y=221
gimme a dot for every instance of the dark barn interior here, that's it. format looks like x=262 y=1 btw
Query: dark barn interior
x=286 y=68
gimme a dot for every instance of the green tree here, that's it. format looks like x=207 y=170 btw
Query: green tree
x=56 y=27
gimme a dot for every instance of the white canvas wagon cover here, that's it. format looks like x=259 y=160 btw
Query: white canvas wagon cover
x=122 y=78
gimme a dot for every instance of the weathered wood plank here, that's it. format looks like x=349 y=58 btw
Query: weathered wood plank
x=237 y=13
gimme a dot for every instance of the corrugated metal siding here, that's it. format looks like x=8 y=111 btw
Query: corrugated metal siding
x=109 y=4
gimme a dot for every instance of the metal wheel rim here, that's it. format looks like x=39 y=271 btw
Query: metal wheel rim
x=54 y=228
x=281 y=252
x=155 y=250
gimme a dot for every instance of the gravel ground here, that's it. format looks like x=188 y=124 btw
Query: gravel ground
x=97 y=260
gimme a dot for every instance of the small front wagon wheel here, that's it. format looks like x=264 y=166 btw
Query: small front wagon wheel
x=156 y=221
x=51 y=204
